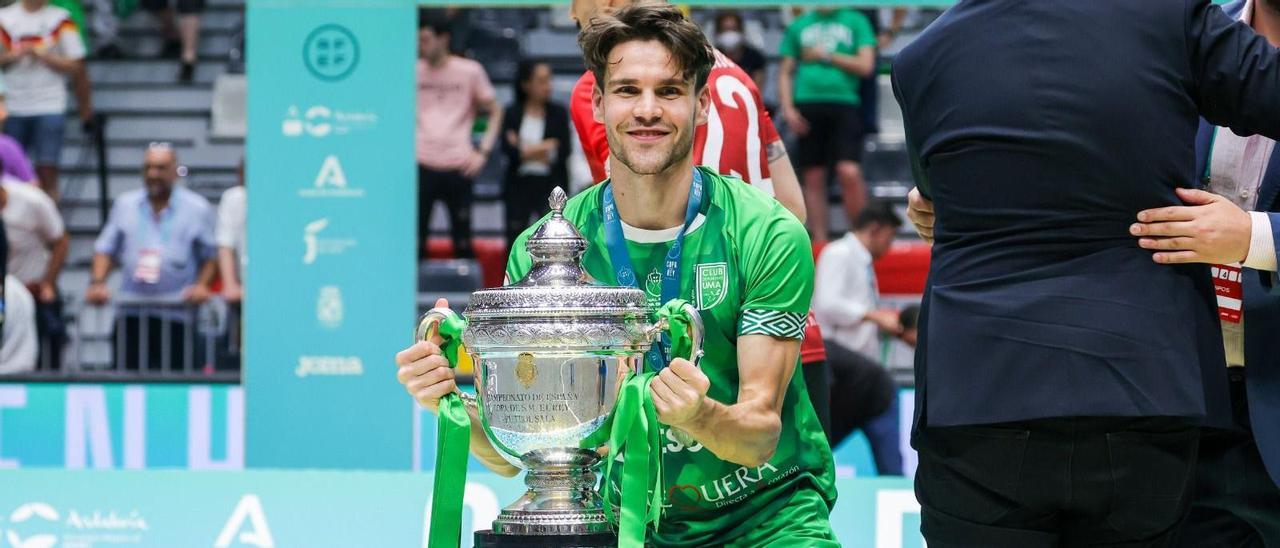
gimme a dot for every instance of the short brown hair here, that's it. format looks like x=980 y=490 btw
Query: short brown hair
x=662 y=23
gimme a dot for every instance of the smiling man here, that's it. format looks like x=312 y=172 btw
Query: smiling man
x=755 y=469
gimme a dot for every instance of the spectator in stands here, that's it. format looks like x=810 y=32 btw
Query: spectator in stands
x=847 y=305
x=910 y=319
x=731 y=39
x=162 y=237
x=824 y=54
x=536 y=141
x=42 y=51
x=869 y=86
x=180 y=21
x=232 y=259
x=38 y=244
x=452 y=91
x=230 y=237
x=18 y=349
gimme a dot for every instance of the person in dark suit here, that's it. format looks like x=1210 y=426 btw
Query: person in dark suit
x=1236 y=499
x=535 y=140
x=1039 y=129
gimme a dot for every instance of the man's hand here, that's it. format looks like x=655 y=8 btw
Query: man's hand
x=232 y=292
x=195 y=293
x=97 y=294
x=889 y=321
x=920 y=212
x=424 y=371
x=679 y=393
x=814 y=53
x=47 y=293
x=795 y=121
x=1209 y=229
x=475 y=164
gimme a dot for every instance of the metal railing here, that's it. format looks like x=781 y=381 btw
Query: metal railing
x=147 y=339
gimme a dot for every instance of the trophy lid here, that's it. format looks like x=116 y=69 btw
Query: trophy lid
x=557 y=281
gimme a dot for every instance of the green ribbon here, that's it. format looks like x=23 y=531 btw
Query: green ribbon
x=678 y=321
x=635 y=434
x=452 y=444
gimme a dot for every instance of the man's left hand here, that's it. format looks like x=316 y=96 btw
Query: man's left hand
x=1209 y=229
x=196 y=294
x=814 y=53
x=679 y=393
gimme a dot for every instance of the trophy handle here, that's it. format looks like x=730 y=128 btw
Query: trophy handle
x=430 y=326
x=696 y=333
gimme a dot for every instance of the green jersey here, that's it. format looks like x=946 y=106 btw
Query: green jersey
x=842 y=32
x=747 y=266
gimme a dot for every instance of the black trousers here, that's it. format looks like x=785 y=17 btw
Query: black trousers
x=1234 y=502
x=454 y=190
x=523 y=200
x=1110 y=481
x=817 y=382
x=51 y=332
x=164 y=338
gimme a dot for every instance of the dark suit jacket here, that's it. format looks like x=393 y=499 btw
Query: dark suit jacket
x=1040 y=128
x=557 y=127
x=1261 y=309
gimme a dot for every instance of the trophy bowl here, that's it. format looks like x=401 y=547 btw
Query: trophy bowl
x=551 y=353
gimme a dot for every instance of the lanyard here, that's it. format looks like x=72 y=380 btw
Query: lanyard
x=621 y=258
x=162 y=227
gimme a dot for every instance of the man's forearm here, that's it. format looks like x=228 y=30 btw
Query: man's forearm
x=57 y=257
x=744 y=433
x=491 y=130
x=862 y=64
x=207 y=270
x=101 y=268
x=786 y=185
x=227 y=265
x=61 y=64
x=785 y=83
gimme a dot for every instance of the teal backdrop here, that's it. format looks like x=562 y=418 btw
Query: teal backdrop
x=321 y=509
x=331 y=226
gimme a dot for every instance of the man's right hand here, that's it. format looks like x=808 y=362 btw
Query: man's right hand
x=920 y=212
x=795 y=121
x=97 y=294
x=424 y=371
x=889 y=321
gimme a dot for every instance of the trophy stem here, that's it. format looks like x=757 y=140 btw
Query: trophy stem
x=561 y=499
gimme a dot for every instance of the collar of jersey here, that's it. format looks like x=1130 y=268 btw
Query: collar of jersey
x=647 y=236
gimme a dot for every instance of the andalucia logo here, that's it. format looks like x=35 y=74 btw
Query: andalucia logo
x=712 y=283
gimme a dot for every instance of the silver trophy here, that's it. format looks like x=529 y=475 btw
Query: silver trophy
x=551 y=353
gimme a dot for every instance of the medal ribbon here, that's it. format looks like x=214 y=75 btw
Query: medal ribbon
x=621 y=259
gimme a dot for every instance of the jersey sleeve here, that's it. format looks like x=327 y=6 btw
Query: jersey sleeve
x=777 y=266
x=768 y=133
x=519 y=262
x=790 y=45
x=863 y=35
x=595 y=146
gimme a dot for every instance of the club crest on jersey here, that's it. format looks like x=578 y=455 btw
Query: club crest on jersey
x=712 y=283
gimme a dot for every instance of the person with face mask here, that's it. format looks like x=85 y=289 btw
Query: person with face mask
x=731 y=39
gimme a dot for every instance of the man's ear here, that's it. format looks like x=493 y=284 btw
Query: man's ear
x=704 y=105
x=597 y=103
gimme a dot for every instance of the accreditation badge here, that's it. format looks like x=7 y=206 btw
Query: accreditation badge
x=148 y=269
x=1227 y=287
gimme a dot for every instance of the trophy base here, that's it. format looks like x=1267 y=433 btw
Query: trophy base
x=489 y=539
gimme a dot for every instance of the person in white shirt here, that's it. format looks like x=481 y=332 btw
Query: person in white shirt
x=845 y=293
x=38 y=244
x=846 y=305
x=230 y=237
x=18 y=350
x=42 y=51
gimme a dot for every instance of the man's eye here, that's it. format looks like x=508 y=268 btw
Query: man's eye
x=669 y=92
x=626 y=90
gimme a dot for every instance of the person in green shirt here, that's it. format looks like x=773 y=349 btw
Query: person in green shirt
x=824 y=54
x=755 y=468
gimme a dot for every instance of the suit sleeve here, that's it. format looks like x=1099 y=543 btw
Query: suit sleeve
x=1235 y=72
x=913 y=151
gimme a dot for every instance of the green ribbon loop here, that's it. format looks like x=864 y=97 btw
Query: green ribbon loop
x=635 y=435
x=677 y=316
x=452 y=444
